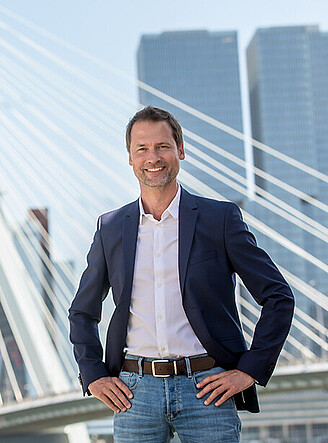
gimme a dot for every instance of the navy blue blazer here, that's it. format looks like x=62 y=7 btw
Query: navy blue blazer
x=214 y=245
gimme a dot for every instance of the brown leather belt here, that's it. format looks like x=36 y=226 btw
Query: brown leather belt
x=165 y=368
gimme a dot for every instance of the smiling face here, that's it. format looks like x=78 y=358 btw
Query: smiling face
x=154 y=154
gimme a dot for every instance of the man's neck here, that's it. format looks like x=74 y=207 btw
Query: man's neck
x=156 y=200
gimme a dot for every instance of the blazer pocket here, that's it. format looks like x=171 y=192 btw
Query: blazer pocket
x=232 y=344
x=202 y=257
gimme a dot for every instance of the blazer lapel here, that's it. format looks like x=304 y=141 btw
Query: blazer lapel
x=188 y=213
x=130 y=234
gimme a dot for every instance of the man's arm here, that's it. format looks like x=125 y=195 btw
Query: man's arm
x=268 y=288
x=84 y=316
x=271 y=291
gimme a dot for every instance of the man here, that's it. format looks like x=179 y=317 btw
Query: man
x=176 y=359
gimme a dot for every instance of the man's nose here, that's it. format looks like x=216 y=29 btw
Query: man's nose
x=153 y=156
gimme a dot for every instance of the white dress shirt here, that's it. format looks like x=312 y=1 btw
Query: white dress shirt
x=158 y=326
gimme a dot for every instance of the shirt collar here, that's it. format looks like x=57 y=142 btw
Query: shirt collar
x=172 y=209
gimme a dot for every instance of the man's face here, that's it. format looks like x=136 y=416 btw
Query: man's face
x=154 y=155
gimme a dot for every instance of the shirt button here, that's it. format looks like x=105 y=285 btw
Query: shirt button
x=159 y=317
x=159 y=284
x=163 y=348
x=158 y=254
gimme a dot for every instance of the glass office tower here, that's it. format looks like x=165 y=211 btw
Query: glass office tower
x=288 y=88
x=201 y=69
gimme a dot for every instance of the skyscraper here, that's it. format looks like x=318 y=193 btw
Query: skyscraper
x=201 y=69
x=288 y=87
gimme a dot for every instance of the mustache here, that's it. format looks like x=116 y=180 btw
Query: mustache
x=151 y=166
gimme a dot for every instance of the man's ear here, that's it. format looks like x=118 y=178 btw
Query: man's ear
x=181 y=152
x=130 y=159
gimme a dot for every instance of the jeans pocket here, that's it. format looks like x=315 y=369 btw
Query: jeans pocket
x=131 y=379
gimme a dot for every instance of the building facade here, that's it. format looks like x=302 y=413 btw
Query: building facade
x=200 y=69
x=288 y=90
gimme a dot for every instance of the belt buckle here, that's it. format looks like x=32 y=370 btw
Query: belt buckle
x=153 y=371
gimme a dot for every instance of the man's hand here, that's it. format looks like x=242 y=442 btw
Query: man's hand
x=113 y=392
x=227 y=383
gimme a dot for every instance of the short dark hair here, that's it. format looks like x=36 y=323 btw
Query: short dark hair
x=153 y=114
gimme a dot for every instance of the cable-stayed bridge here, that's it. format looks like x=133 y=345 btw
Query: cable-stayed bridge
x=62 y=163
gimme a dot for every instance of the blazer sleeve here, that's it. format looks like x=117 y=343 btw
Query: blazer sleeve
x=85 y=314
x=269 y=289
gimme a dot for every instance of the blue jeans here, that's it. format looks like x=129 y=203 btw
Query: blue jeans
x=161 y=406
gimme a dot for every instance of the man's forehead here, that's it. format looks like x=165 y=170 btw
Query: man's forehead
x=151 y=132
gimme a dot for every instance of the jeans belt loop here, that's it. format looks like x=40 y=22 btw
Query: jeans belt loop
x=140 y=360
x=188 y=367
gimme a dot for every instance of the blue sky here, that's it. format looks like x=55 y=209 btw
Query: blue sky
x=111 y=29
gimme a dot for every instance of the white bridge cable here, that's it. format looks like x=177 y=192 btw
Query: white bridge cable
x=59 y=83
x=58 y=334
x=38 y=158
x=322 y=234
x=15 y=130
x=55 y=331
x=64 y=268
x=311 y=321
x=250 y=325
x=101 y=143
x=31 y=248
x=24 y=190
x=278 y=182
x=51 y=194
x=89 y=80
x=194 y=183
x=61 y=111
x=313 y=294
x=31 y=254
x=300 y=285
x=255 y=310
x=76 y=146
x=79 y=148
x=278 y=210
x=210 y=120
x=59 y=279
x=67 y=104
x=62 y=284
x=240 y=162
x=10 y=370
x=70 y=90
x=47 y=176
x=20 y=343
x=67 y=271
